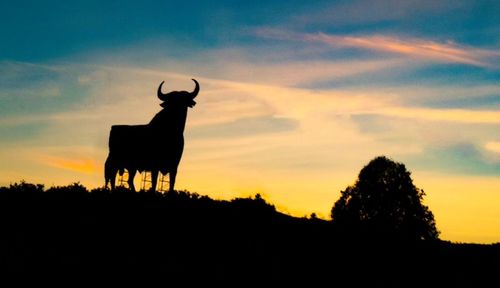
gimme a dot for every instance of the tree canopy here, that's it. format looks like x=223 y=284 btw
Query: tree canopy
x=384 y=203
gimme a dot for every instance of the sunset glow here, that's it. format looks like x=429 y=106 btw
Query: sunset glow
x=294 y=101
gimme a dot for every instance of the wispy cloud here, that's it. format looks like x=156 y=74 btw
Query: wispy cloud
x=446 y=95
x=84 y=165
x=300 y=73
x=446 y=52
x=492 y=149
x=448 y=115
x=493 y=146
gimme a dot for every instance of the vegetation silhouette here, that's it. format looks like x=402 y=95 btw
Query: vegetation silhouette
x=70 y=235
x=384 y=204
x=154 y=147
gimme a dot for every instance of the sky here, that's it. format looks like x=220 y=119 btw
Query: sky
x=296 y=96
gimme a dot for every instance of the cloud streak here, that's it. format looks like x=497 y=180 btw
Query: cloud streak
x=493 y=146
x=447 y=115
x=448 y=52
x=83 y=165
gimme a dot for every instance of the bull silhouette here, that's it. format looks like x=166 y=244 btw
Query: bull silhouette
x=154 y=147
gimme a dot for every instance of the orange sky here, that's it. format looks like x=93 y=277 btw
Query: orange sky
x=298 y=148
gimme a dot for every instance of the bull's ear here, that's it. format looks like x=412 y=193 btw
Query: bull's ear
x=163 y=104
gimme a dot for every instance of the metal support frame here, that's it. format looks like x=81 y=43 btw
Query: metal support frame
x=123 y=179
x=162 y=184
x=146 y=181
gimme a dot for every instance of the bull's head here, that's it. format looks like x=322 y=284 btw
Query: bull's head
x=181 y=98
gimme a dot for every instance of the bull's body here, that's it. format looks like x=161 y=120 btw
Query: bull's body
x=137 y=148
x=154 y=147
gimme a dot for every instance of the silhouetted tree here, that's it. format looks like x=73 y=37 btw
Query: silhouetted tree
x=384 y=203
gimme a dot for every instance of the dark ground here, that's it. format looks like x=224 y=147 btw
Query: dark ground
x=69 y=236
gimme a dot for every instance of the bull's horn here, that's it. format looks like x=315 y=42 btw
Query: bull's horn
x=196 y=89
x=160 y=94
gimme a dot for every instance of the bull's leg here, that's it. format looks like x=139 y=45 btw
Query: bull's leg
x=154 y=180
x=109 y=173
x=130 y=181
x=172 y=174
x=113 y=180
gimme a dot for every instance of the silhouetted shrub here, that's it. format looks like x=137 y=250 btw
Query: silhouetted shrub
x=107 y=236
x=25 y=188
x=384 y=203
x=75 y=191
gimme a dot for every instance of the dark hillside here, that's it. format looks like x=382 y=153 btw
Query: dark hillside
x=70 y=234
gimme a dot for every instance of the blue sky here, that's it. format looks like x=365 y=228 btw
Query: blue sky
x=38 y=31
x=296 y=96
